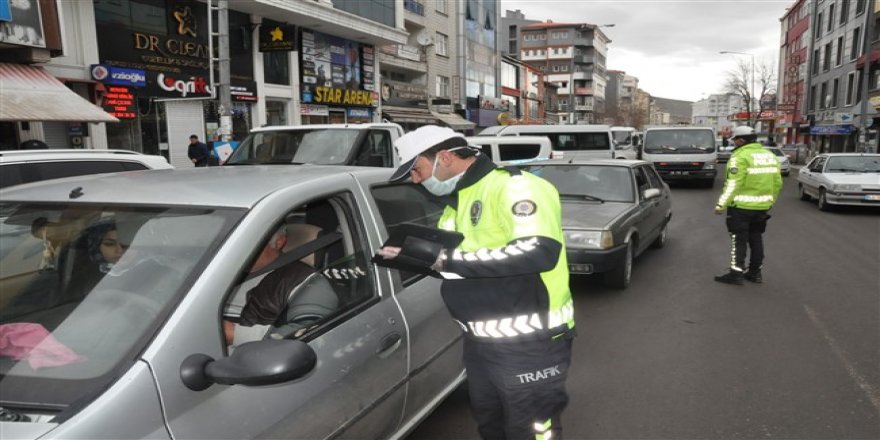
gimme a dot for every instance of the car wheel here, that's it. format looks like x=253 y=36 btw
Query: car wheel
x=785 y=174
x=823 y=202
x=709 y=183
x=619 y=277
x=803 y=193
x=660 y=241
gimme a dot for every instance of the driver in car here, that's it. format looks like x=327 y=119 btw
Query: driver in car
x=267 y=300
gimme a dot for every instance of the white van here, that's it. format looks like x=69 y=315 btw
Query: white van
x=682 y=153
x=508 y=150
x=572 y=141
x=626 y=141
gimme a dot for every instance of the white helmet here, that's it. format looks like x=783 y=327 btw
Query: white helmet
x=742 y=130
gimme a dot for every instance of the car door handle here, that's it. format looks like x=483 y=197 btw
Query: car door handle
x=388 y=345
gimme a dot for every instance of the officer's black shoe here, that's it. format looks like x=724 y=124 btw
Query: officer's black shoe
x=753 y=275
x=731 y=277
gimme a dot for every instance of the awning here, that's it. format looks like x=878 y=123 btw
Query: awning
x=29 y=93
x=454 y=121
x=409 y=115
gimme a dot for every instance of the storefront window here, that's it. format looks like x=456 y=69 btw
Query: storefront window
x=276 y=67
x=134 y=14
x=276 y=113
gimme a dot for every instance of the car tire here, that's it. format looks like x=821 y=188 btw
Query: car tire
x=620 y=276
x=823 y=201
x=660 y=241
x=708 y=183
x=785 y=174
x=803 y=193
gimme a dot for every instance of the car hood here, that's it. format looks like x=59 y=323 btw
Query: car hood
x=854 y=178
x=590 y=215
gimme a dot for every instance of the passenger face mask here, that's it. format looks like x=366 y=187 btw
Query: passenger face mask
x=441 y=187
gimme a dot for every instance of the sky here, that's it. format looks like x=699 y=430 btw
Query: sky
x=672 y=46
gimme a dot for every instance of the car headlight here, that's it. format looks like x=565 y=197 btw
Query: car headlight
x=588 y=239
x=709 y=166
x=847 y=187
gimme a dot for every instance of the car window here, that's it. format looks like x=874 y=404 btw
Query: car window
x=407 y=203
x=134 y=166
x=14 y=174
x=653 y=178
x=853 y=164
x=376 y=150
x=579 y=141
x=642 y=181
x=319 y=146
x=486 y=149
x=100 y=280
x=11 y=174
x=314 y=292
x=609 y=183
x=817 y=164
x=509 y=152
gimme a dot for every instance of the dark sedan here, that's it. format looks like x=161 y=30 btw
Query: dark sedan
x=612 y=210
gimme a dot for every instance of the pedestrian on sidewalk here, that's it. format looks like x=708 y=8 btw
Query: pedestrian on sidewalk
x=197 y=151
x=751 y=187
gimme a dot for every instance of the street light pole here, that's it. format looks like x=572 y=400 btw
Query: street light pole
x=752 y=88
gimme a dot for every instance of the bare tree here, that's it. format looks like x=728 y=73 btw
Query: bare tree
x=739 y=81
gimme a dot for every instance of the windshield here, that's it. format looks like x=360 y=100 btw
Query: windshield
x=606 y=183
x=679 y=141
x=82 y=288
x=327 y=146
x=622 y=136
x=776 y=152
x=853 y=164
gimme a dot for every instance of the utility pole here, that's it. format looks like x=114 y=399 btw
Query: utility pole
x=222 y=34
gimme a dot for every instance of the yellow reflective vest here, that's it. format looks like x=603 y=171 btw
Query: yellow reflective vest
x=753 y=179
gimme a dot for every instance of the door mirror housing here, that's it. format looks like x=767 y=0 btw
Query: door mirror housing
x=651 y=193
x=256 y=363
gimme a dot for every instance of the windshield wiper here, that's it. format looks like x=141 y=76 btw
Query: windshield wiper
x=584 y=196
x=845 y=170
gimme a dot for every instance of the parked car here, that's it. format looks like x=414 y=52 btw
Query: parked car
x=841 y=179
x=784 y=163
x=612 y=210
x=139 y=351
x=25 y=166
x=326 y=144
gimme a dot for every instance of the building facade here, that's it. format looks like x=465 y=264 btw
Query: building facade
x=838 y=38
x=573 y=56
x=716 y=110
x=510 y=31
x=793 y=56
x=479 y=62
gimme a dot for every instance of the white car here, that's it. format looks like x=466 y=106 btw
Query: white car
x=784 y=163
x=26 y=166
x=841 y=179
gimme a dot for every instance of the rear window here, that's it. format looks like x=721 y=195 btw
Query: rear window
x=518 y=151
x=579 y=141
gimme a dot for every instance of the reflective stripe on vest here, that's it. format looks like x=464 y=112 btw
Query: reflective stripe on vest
x=753 y=199
x=762 y=170
x=519 y=325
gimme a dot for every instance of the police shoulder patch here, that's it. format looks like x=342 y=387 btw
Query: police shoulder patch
x=476 y=212
x=733 y=170
x=524 y=208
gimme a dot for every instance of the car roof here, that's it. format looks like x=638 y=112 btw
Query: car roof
x=326 y=126
x=604 y=162
x=227 y=186
x=850 y=154
x=52 y=155
x=680 y=128
x=578 y=128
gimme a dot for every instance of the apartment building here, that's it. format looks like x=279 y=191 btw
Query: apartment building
x=792 y=73
x=510 y=31
x=572 y=55
x=716 y=110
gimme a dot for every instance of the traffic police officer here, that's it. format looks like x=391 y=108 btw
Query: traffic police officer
x=506 y=284
x=752 y=184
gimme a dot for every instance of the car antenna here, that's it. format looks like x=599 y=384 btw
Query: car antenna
x=76 y=193
x=571 y=160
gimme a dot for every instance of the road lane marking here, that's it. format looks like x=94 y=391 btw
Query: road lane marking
x=866 y=387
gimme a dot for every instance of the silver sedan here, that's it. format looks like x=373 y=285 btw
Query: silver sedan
x=841 y=179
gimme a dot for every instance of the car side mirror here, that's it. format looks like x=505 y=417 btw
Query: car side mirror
x=265 y=362
x=650 y=193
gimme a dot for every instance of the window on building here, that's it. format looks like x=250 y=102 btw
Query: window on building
x=856 y=48
x=380 y=11
x=860 y=6
x=815 y=61
x=835 y=92
x=440 y=6
x=508 y=76
x=844 y=11
x=840 y=48
x=440 y=44
x=135 y=14
x=818 y=29
x=850 y=88
x=276 y=67
x=830 y=18
x=812 y=98
x=826 y=61
x=442 y=86
x=824 y=99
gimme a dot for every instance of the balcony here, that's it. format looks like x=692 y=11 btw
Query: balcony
x=403 y=57
x=583 y=108
x=583 y=42
x=415 y=7
x=584 y=59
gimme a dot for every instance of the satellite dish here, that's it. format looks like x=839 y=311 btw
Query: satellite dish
x=424 y=39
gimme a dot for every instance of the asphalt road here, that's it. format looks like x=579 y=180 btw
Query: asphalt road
x=678 y=356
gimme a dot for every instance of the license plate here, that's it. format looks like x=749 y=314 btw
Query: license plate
x=680 y=173
x=873 y=197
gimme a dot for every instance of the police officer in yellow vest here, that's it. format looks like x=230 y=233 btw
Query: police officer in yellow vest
x=752 y=184
x=506 y=284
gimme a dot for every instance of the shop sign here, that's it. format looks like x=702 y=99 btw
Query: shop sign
x=314 y=110
x=843 y=118
x=120 y=102
x=832 y=129
x=185 y=86
x=332 y=95
x=487 y=103
x=25 y=26
x=243 y=93
x=277 y=37
x=785 y=107
x=119 y=76
x=359 y=113
x=875 y=102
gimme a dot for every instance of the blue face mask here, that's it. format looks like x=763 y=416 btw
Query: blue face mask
x=441 y=187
